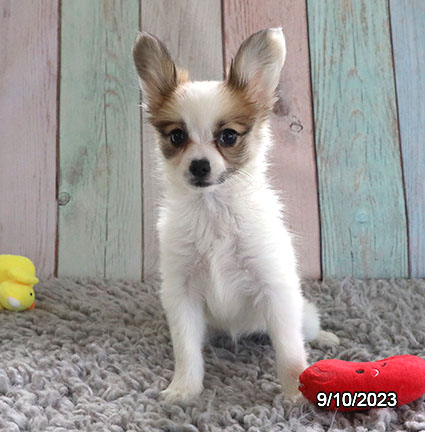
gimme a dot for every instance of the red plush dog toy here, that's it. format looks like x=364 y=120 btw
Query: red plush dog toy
x=350 y=386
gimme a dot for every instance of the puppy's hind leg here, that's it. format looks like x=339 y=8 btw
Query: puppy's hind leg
x=311 y=327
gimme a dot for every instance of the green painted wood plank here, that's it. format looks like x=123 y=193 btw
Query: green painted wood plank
x=100 y=149
x=362 y=207
x=28 y=126
x=408 y=35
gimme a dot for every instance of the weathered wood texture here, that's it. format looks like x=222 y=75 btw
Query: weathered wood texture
x=28 y=76
x=191 y=30
x=408 y=35
x=100 y=151
x=363 y=216
x=293 y=168
x=104 y=171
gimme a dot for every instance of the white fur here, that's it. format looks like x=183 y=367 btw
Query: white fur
x=227 y=260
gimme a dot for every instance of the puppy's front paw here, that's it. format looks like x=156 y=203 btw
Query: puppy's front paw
x=183 y=394
x=290 y=389
x=288 y=377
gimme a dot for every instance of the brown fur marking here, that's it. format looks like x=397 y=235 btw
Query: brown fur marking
x=243 y=115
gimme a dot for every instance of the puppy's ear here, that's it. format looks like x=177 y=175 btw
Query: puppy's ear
x=155 y=67
x=257 y=65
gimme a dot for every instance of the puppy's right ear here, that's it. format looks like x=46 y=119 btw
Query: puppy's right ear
x=257 y=65
x=156 y=69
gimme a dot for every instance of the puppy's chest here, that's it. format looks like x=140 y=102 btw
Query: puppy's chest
x=220 y=273
x=212 y=232
x=211 y=239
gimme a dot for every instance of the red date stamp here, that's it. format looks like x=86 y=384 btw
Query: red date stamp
x=357 y=399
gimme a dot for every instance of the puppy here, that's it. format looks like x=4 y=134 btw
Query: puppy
x=226 y=259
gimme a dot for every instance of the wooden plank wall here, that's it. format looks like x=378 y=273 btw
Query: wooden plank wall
x=363 y=217
x=293 y=167
x=100 y=216
x=349 y=158
x=28 y=127
x=408 y=36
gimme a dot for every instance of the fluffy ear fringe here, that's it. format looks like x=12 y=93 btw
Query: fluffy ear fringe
x=257 y=65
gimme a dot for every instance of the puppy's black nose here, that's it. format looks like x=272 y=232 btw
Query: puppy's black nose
x=200 y=168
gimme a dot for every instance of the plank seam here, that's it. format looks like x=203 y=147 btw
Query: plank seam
x=223 y=39
x=105 y=119
x=406 y=208
x=58 y=97
x=142 y=172
x=316 y=176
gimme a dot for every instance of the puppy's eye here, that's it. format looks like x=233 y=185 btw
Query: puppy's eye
x=178 y=137
x=228 y=137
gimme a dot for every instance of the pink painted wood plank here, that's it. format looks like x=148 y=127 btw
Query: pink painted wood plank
x=28 y=95
x=293 y=168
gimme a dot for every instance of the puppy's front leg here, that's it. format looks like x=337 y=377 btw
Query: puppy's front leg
x=187 y=327
x=284 y=322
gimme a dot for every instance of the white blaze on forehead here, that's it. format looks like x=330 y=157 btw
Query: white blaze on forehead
x=201 y=104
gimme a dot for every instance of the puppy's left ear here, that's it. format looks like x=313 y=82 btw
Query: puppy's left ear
x=257 y=65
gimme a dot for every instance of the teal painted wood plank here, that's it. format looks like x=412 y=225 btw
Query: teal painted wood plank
x=362 y=207
x=100 y=148
x=28 y=126
x=408 y=35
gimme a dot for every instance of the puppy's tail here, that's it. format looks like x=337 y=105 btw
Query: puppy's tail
x=311 y=327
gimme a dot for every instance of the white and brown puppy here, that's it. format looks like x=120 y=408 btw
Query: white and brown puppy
x=226 y=258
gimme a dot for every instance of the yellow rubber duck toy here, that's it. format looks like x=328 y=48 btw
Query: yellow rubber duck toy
x=17 y=277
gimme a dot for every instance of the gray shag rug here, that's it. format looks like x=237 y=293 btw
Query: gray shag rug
x=94 y=356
